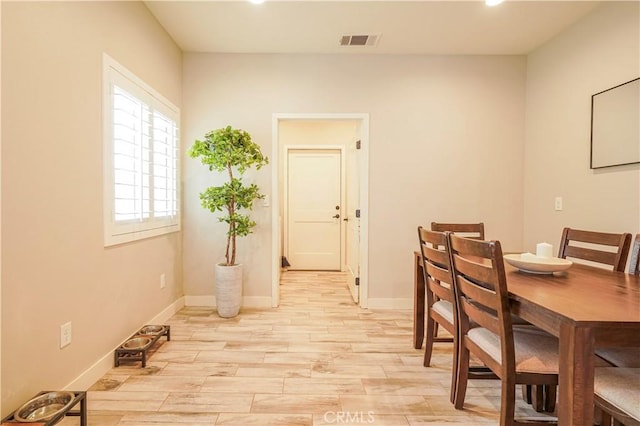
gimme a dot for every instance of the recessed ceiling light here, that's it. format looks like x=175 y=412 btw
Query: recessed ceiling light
x=256 y=1
x=493 y=2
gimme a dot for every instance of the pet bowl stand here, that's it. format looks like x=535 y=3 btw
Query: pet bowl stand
x=139 y=353
x=80 y=397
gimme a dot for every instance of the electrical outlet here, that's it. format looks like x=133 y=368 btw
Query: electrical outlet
x=65 y=334
x=266 y=201
x=163 y=281
x=558 y=204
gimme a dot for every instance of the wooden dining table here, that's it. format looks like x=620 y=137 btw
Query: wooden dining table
x=585 y=307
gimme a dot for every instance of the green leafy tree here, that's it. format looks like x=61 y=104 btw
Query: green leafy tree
x=222 y=150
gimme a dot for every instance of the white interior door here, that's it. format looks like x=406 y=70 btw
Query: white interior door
x=313 y=209
x=352 y=218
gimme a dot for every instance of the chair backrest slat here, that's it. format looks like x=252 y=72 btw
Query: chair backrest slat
x=486 y=296
x=603 y=238
x=584 y=253
x=469 y=230
x=486 y=319
x=484 y=273
x=615 y=254
x=437 y=256
x=438 y=280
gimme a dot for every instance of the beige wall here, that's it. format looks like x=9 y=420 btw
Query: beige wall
x=316 y=132
x=600 y=51
x=54 y=266
x=446 y=134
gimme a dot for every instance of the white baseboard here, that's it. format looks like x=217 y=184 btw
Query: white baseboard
x=92 y=374
x=256 y=302
x=388 y=303
x=210 y=301
x=265 y=302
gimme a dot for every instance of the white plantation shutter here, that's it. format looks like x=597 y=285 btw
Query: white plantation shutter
x=165 y=162
x=130 y=133
x=141 y=159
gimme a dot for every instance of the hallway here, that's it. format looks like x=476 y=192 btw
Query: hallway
x=316 y=360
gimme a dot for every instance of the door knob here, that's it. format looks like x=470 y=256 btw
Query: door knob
x=337 y=216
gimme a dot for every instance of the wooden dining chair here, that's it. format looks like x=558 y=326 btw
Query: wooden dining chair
x=469 y=230
x=541 y=399
x=617 y=394
x=439 y=293
x=516 y=354
x=605 y=248
x=440 y=305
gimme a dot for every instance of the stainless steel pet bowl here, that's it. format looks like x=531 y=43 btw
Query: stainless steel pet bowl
x=151 y=329
x=137 y=343
x=44 y=407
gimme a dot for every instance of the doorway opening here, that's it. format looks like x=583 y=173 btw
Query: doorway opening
x=313 y=199
x=320 y=148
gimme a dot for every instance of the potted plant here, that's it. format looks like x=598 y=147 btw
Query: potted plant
x=230 y=150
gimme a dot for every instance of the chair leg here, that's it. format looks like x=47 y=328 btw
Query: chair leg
x=526 y=393
x=462 y=377
x=550 y=398
x=537 y=398
x=598 y=418
x=428 y=343
x=507 y=402
x=454 y=371
x=542 y=398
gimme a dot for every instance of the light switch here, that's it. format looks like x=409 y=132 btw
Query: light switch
x=558 y=204
x=65 y=334
x=266 y=201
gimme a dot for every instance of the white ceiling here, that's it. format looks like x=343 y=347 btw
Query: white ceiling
x=406 y=27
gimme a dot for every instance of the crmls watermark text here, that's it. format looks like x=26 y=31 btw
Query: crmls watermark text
x=349 y=417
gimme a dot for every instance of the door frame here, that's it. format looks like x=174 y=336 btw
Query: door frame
x=285 y=194
x=276 y=224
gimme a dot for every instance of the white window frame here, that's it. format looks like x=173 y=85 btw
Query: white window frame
x=123 y=231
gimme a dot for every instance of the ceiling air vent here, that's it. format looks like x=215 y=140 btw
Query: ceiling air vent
x=359 y=40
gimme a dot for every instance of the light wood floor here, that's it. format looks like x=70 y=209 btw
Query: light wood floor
x=318 y=359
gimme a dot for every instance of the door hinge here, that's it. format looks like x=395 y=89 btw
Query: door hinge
x=357 y=281
x=358 y=144
x=357 y=212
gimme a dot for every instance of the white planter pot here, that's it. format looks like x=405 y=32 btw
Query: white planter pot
x=228 y=290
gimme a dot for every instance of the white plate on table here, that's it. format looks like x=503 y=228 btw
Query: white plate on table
x=527 y=262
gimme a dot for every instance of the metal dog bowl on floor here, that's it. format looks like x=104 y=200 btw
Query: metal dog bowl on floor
x=44 y=407
x=152 y=329
x=137 y=343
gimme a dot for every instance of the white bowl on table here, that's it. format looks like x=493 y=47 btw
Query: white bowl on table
x=527 y=262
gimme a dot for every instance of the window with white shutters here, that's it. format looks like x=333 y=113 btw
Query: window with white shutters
x=141 y=151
